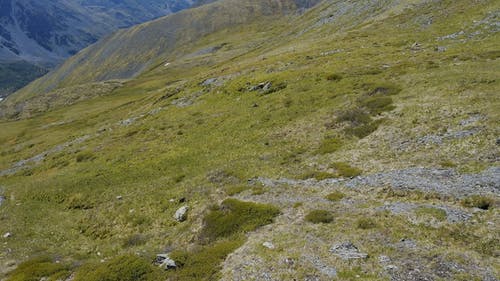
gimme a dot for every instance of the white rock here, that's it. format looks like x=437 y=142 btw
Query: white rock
x=7 y=235
x=181 y=214
x=268 y=245
x=164 y=261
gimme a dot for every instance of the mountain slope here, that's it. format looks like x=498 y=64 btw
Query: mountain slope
x=372 y=126
x=44 y=33
x=128 y=52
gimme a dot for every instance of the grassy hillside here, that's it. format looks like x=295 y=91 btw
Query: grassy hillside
x=369 y=122
x=130 y=51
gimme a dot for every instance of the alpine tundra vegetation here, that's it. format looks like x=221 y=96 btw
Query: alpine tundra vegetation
x=263 y=140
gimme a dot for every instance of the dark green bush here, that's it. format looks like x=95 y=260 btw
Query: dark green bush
x=37 y=268
x=121 y=268
x=234 y=216
x=319 y=216
x=335 y=196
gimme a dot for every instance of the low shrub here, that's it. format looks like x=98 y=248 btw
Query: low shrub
x=319 y=216
x=366 y=223
x=335 y=196
x=259 y=190
x=363 y=130
x=488 y=246
x=38 y=268
x=134 y=240
x=85 y=156
x=79 y=201
x=355 y=116
x=329 y=145
x=234 y=216
x=334 y=77
x=447 y=164
x=235 y=189
x=386 y=89
x=345 y=170
x=122 y=268
x=203 y=263
x=317 y=176
x=478 y=201
x=377 y=105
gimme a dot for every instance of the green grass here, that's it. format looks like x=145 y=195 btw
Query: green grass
x=329 y=145
x=206 y=151
x=435 y=213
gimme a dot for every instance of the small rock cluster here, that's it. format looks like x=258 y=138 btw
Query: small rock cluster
x=347 y=251
x=164 y=261
x=264 y=86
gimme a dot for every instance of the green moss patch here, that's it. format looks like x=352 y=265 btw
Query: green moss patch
x=234 y=216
